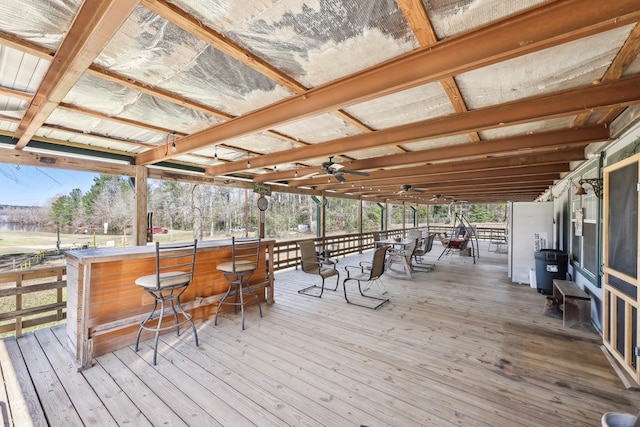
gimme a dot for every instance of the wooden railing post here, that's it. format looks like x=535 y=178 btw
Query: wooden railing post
x=59 y=295
x=18 y=307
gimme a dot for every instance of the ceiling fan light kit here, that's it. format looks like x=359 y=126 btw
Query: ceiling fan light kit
x=337 y=170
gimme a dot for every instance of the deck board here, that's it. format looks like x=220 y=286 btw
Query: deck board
x=22 y=405
x=113 y=398
x=459 y=345
x=58 y=407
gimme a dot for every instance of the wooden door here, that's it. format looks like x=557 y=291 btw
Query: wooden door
x=620 y=281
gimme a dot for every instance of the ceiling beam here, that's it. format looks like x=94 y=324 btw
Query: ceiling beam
x=448 y=159
x=600 y=97
x=416 y=15
x=95 y=24
x=27 y=158
x=428 y=180
x=477 y=184
x=625 y=56
x=535 y=29
x=411 y=175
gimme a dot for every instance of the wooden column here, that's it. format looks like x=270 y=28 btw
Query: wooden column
x=360 y=223
x=140 y=221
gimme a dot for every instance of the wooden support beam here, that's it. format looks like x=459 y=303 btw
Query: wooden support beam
x=487 y=45
x=94 y=26
x=140 y=225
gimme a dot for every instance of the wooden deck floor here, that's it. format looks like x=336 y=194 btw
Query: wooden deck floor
x=460 y=345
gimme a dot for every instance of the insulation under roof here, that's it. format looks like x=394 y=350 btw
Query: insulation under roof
x=286 y=84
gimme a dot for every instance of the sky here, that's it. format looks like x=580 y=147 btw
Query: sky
x=35 y=186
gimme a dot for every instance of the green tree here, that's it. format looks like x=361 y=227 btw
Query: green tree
x=62 y=211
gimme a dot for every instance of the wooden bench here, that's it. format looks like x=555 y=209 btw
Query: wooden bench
x=574 y=303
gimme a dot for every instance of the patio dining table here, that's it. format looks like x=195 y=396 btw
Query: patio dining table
x=398 y=256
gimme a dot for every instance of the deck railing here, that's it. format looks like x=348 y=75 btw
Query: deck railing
x=32 y=297
x=286 y=253
x=36 y=296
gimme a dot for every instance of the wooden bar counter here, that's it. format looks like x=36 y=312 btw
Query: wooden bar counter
x=105 y=307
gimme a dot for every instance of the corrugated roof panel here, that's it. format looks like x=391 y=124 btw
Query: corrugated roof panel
x=437 y=142
x=313 y=41
x=324 y=127
x=634 y=67
x=12 y=107
x=527 y=128
x=412 y=105
x=153 y=50
x=261 y=142
x=574 y=64
x=9 y=126
x=119 y=101
x=21 y=71
x=88 y=140
x=93 y=125
x=372 y=152
x=451 y=17
x=193 y=159
x=43 y=22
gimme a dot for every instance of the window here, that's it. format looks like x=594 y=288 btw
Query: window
x=584 y=228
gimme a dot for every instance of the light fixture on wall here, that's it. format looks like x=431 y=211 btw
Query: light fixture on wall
x=595 y=183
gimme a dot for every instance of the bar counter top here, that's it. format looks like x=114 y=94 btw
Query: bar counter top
x=107 y=254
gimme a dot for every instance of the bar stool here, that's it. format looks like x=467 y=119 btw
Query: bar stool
x=245 y=254
x=174 y=271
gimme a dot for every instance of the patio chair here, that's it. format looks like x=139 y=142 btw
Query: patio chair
x=245 y=254
x=364 y=275
x=376 y=237
x=423 y=248
x=174 y=272
x=317 y=265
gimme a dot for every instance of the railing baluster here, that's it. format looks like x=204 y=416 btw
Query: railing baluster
x=19 y=307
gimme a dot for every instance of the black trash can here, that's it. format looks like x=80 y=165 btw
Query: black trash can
x=550 y=264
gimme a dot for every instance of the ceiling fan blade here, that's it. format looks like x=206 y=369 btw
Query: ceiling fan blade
x=340 y=177
x=309 y=175
x=355 y=172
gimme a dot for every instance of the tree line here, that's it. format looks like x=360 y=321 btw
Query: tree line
x=209 y=210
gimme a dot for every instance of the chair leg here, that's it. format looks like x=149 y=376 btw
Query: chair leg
x=253 y=294
x=155 y=340
x=188 y=317
x=306 y=290
x=175 y=315
x=240 y=285
x=157 y=314
x=239 y=291
x=144 y=322
x=337 y=282
x=224 y=297
x=346 y=297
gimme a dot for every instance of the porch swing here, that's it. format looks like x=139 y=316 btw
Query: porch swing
x=463 y=235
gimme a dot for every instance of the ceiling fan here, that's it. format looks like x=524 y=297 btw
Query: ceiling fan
x=440 y=198
x=406 y=188
x=337 y=170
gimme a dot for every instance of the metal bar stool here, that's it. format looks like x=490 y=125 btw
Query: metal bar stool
x=245 y=253
x=174 y=272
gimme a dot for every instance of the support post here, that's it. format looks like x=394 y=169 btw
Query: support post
x=140 y=220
